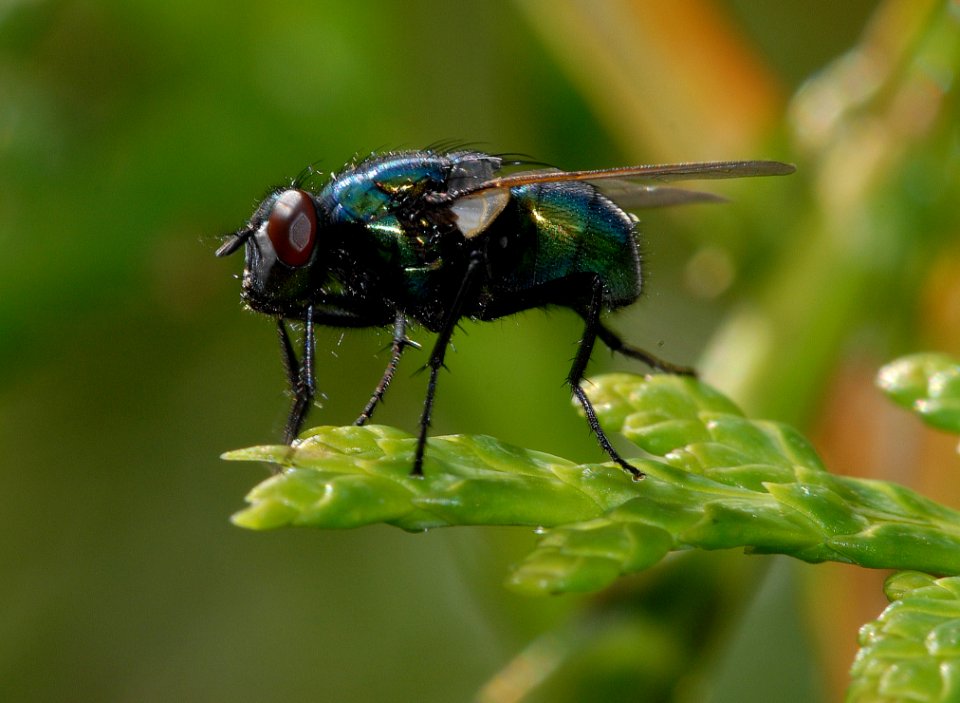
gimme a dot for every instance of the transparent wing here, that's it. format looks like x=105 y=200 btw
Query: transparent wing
x=635 y=196
x=658 y=173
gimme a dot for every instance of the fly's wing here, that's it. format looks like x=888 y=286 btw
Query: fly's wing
x=477 y=204
x=622 y=183
x=637 y=196
x=630 y=195
x=472 y=193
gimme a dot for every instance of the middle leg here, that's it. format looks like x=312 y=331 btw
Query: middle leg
x=437 y=355
x=400 y=342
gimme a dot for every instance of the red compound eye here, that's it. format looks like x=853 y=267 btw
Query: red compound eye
x=292 y=227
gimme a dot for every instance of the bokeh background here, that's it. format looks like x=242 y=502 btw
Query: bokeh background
x=133 y=134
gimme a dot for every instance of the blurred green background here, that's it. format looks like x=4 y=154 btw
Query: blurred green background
x=133 y=134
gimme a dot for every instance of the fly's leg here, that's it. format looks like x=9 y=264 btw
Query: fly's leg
x=590 y=332
x=612 y=340
x=437 y=355
x=400 y=342
x=299 y=375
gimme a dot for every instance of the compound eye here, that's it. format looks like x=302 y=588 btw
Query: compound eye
x=292 y=227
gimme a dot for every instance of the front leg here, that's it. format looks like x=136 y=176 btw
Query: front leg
x=299 y=374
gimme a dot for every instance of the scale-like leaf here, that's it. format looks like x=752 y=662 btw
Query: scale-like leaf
x=715 y=480
x=928 y=384
x=912 y=651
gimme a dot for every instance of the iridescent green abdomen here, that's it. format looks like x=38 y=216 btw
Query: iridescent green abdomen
x=555 y=231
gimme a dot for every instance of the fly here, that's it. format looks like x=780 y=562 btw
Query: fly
x=432 y=237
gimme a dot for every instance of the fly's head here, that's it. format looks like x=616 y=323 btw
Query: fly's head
x=280 y=244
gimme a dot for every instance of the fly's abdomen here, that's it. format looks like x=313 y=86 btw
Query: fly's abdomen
x=580 y=231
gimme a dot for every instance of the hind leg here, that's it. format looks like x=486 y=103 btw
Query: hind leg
x=592 y=318
x=612 y=340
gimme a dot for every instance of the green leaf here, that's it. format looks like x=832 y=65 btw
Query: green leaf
x=715 y=480
x=912 y=651
x=927 y=384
